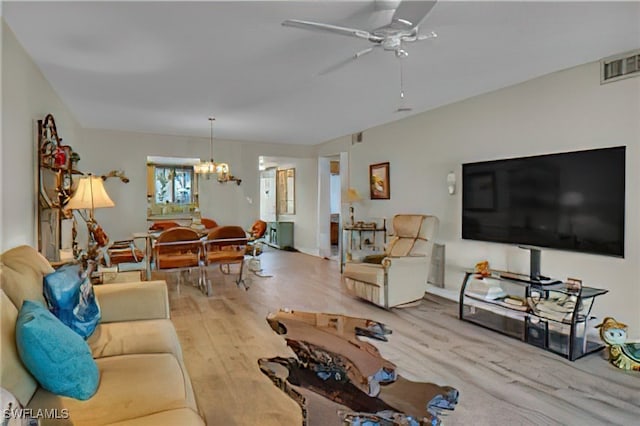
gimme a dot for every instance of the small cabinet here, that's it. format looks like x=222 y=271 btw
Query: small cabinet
x=550 y=316
x=280 y=234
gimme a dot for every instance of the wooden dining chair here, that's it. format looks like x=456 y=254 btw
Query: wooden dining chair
x=115 y=253
x=163 y=225
x=225 y=246
x=177 y=250
x=209 y=223
x=256 y=238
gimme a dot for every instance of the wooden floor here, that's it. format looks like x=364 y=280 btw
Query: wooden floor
x=502 y=381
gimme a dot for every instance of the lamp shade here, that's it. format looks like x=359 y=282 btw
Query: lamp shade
x=90 y=194
x=352 y=196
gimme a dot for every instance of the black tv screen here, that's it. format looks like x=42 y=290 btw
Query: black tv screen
x=570 y=201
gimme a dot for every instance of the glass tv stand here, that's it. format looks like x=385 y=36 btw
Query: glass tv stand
x=551 y=317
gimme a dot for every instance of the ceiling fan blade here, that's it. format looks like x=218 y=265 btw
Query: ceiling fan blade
x=317 y=26
x=409 y=13
x=363 y=52
x=347 y=61
x=427 y=36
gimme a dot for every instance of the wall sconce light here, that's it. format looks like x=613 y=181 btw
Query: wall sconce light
x=451 y=183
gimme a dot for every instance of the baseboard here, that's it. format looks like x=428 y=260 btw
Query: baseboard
x=311 y=252
x=443 y=292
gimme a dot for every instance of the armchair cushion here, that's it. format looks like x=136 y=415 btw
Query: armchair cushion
x=56 y=356
x=408 y=225
x=401 y=246
x=375 y=259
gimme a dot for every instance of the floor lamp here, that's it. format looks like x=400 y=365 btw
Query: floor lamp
x=90 y=195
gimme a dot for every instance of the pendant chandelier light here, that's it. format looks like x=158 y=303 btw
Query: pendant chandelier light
x=208 y=168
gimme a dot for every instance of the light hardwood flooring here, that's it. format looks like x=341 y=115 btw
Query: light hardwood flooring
x=502 y=381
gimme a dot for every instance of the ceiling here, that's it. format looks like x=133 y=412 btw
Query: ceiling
x=164 y=67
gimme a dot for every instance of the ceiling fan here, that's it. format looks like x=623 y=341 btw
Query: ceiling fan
x=403 y=28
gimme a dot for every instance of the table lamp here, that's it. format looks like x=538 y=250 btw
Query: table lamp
x=352 y=196
x=90 y=195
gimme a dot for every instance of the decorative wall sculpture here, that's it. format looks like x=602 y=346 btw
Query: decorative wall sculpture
x=56 y=167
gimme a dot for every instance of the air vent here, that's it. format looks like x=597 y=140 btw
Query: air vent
x=621 y=66
x=356 y=138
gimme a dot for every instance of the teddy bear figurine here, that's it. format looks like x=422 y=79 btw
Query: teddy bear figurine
x=621 y=354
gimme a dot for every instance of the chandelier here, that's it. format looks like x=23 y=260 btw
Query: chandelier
x=208 y=168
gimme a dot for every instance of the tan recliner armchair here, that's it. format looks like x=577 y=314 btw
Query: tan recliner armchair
x=400 y=275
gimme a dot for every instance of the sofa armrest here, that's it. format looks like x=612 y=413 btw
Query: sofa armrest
x=133 y=301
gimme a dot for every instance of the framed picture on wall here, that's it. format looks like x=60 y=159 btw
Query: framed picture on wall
x=380 y=187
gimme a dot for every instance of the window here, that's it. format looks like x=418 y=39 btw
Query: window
x=172 y=187
x=620 y=66
x=173 y=184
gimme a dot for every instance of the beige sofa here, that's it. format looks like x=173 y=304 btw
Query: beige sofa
x=401 y=274
x=143 y=379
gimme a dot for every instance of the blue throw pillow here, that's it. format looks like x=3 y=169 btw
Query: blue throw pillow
x=58 y=358
x=70 y=297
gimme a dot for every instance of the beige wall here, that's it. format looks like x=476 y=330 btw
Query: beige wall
x=564 y=111
x=26 y=96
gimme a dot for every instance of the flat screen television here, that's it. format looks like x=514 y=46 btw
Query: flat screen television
x=569 y=201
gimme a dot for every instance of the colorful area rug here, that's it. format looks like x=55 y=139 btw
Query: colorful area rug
x=356 y=385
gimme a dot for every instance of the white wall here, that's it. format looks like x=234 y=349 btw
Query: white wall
x=26 y=96
x=564 y=111
x=305 y=236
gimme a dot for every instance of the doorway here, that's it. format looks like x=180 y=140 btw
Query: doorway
x=334 y=203
x=268 y=195
x=331 y=182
